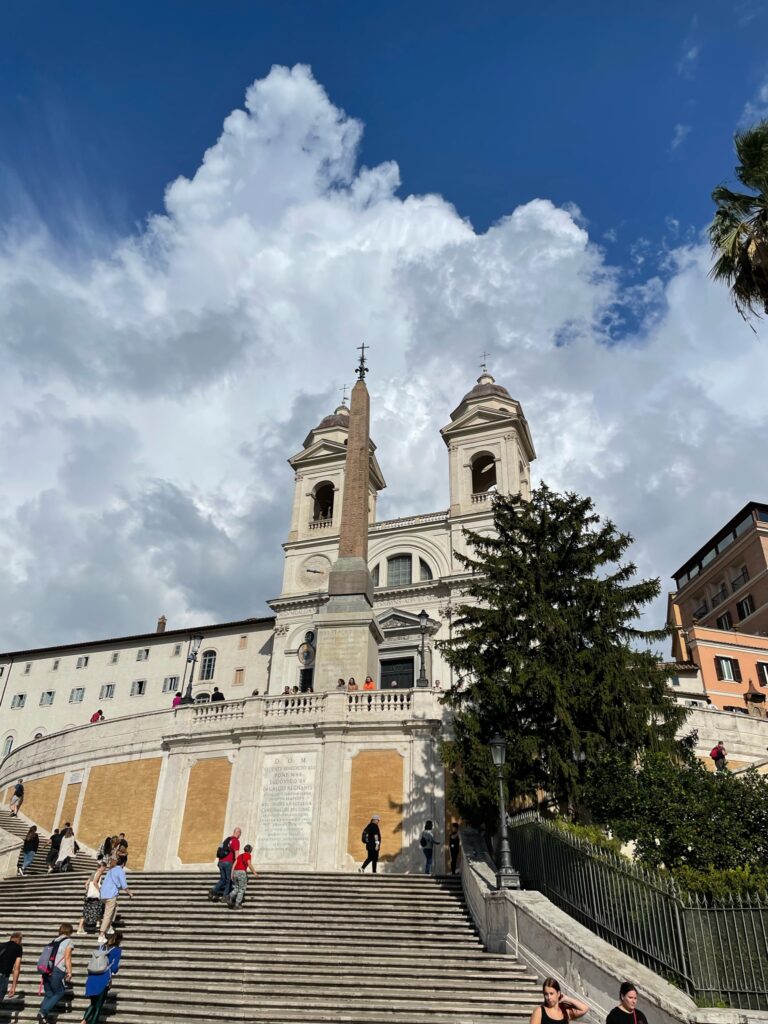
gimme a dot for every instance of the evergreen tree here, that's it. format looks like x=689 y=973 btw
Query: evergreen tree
x=548 y=653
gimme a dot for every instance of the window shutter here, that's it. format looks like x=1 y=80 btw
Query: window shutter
x=736 y=670
x=719 y=667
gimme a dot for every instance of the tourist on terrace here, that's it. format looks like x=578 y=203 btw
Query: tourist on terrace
x=97 y=985
x=217 y=695
x=97 y=716
x=18 y=798
x=372 y=842
x=555 y=1006
x=113 y=885
x=67 y=849
x=240 y=877
x=454 y=845
x=11 y=953
x=369 y=684
x=60 y=963
x=626 y=1012
x=286 y=691
x=428 y=841
x=718 y=755
x=176 y=700
x=227 y=854
x=93 y=908
x=352 y=685
x=31 y=844
x=341 y=685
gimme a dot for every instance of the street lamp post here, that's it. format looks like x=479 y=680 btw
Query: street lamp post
x=506 y=876
x=194 y=646
x=423 y=620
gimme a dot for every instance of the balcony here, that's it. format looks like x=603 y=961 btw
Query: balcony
x=701 y=611
x=738 y=581
x=480 y=497
x=320 y=524
x=719 y=597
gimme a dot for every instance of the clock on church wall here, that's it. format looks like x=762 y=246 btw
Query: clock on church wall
x=313 y=572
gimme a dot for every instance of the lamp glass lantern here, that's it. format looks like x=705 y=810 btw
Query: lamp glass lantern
x=498 y=747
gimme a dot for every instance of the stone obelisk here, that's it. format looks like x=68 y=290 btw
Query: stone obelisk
x=348 y=636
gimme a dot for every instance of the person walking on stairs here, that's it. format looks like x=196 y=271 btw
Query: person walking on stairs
x=240 y=878
x=428 y=841
x=11 y=953
x=55 y=965
x=113 y=885
x=103 y=966
x=93 y=908
x=454 y=845
x=626 y=1012
x=372 y=841
x=53 y=847
x=31 y=844
x=556 y=1007
x=18 y=798
x=226 y=854
x=67 y=849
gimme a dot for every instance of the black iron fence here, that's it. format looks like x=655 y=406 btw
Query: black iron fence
x=717 y=952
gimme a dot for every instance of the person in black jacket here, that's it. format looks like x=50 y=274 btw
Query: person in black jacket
x=31 y=843
x=372 y=840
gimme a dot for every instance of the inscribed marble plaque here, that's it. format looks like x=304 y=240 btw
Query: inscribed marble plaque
x=287 y=802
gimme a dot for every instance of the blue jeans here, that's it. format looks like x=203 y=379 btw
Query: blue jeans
x=53 y=985
x=29 y=856
x=224 y=885
x=428 y=851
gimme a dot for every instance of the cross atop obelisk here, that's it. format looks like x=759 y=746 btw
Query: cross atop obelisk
x=353 y=532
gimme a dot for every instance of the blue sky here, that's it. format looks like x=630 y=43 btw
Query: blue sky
x=103 y=104
x=205 y=207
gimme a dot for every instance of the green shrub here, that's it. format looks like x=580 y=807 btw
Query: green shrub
x=590 y=833
x=722 y=883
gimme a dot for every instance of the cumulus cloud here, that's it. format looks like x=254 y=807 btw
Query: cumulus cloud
x=151 y=396
x=755 y=109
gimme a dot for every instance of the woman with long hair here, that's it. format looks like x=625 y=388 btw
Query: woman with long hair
x=67 y=850
x=31 y=844
x=556 y=1007
x=97 y=985
x=93 y=908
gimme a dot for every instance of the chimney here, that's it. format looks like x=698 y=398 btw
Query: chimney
x=161 y=623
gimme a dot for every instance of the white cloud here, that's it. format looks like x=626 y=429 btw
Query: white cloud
x=756 y=109
x=150 y=397
x=689 y=59
x=679 y=134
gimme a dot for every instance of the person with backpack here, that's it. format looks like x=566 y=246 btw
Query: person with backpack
x=102 y=967
x=18 y=798
x=371 y=838
x=428 y=842
x=718 y=755
x=31 y=844
x=240 y=878
x=226 y=855
x=11 y=953
x=67 y=849
x=55 y=966
x=112 y=886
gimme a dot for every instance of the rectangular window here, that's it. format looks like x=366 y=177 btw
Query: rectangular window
x=82 y=661
x=243 y=643
x=725 y=542
x=725 y=621
x=762 y=673
x=399 y=571
x=709 y=557
x=700 y=611
x=55 y=665
x=728 y=669
x=743 y=525
x=170 y=684
x=138 y=687
x=745 y=607
x=46 y=698
x=239 y=679
x=19 y=700
x=142 y=654
x=114 y=658
x=738 y=581
x=176 y=650
x=76 y=695
x=27 y=668
x=107 y=692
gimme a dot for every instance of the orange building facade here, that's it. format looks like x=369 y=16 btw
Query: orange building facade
x=719 y=613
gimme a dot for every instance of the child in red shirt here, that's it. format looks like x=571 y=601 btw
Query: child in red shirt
x=240 y=877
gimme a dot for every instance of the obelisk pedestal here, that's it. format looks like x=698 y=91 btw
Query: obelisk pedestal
x=348 y=635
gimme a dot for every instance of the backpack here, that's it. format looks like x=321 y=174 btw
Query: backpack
x=223 y=850
x=715 y=753
x=364 y=837
x=423 y=840
x=48 y=956
x=99 y=961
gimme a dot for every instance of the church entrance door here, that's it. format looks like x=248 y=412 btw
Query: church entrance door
x=397 y=674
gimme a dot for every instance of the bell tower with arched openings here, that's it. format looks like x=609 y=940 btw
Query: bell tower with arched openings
x=490 y=448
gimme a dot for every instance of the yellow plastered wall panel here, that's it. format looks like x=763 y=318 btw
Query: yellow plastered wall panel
x=71 y=796
x=376 y=787
x=7 y=795
x=121 y=798
x=204 y=823
x=41 y=798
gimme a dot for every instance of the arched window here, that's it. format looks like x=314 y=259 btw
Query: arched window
x=399 y=571
x=208 y=666
x=202 y=698
x=323 y=509
x=483 y=473
x=7 y=746
x=375 y=575
x=425 y=573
